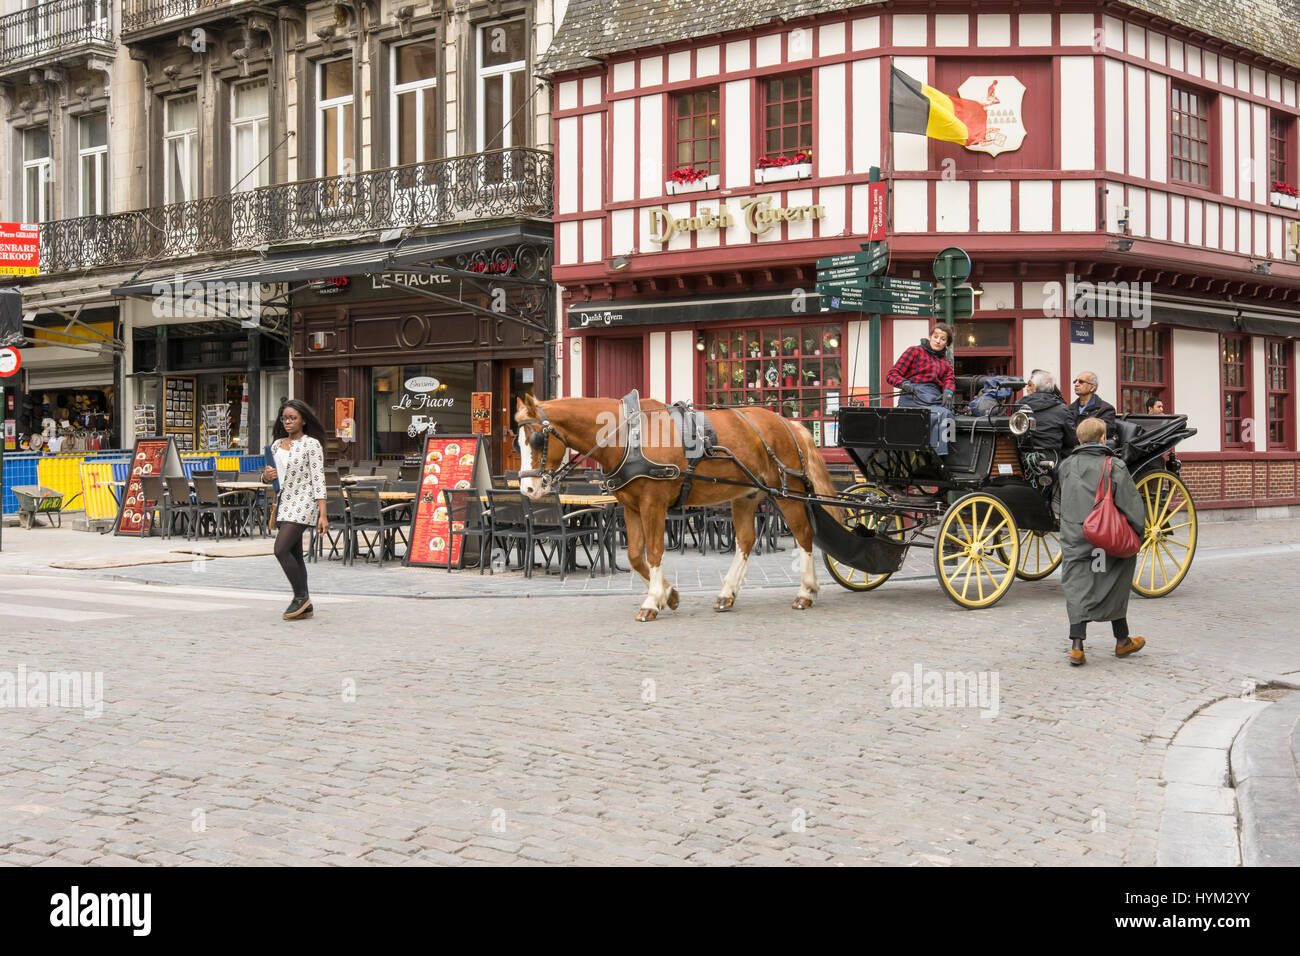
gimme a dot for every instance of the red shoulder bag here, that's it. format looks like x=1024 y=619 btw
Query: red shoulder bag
x=1106 y=527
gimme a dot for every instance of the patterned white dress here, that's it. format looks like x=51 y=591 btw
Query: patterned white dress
x=302 y=480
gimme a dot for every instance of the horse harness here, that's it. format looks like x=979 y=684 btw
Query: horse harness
x=699 y=443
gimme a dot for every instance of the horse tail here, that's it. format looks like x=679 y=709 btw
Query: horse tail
x=818 y=473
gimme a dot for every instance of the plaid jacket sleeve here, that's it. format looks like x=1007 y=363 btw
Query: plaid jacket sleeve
x=904 y=368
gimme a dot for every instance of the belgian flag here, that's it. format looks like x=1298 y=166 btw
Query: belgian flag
x=923 y=110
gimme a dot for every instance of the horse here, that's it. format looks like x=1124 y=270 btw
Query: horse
x=779 y=453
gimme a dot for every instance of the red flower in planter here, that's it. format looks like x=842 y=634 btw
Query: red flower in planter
x=687 y=174
x=1286 y=189
x=766 y=162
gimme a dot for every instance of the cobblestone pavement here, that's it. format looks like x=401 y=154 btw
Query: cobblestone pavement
x=394 y=730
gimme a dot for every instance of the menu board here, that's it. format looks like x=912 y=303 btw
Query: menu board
x=450 y=461
x=152 y=456
x=480 y=405
x=179 y=411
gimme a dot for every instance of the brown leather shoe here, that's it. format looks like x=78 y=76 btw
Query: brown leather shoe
x=1135 y=644
x=1078 y=657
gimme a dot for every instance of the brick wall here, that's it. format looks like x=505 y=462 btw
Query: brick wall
x=1248 y=482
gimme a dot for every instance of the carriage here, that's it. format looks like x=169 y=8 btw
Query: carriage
x=988 y=509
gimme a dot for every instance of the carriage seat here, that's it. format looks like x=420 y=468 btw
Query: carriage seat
x=1126 y=432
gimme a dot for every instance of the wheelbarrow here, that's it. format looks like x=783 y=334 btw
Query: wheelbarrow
x=36 y=500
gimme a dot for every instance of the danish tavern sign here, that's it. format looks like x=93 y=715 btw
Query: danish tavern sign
x=756 y=212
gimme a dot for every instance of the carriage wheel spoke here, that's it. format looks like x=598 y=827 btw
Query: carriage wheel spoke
x=1164 y=573
x=1174 y=527
x=1146 y=553
x=1185 y=547
x=970 y=566
x=1176 y=563
x=979 y=535
x=1001 y=524
x=989 y=557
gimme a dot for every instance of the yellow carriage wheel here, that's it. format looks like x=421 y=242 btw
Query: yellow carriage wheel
x=1169 y=541
x=976 y=551
x=846 y=575
x=1040 y=554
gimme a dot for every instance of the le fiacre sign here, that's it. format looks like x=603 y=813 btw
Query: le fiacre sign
x=756 y=213
x=20 y=249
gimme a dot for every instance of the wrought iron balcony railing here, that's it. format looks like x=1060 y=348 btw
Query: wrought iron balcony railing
x=57 y=26
x=142 y=14
x=495 y=185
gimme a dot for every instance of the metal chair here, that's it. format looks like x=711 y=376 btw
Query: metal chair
x=180 y=504
x=369 y=521
x=155 y=499
x=550 y=524
x=510 y=525
x=391 y=472
x=467 y=518
x=410 y=473
x=211 y=502
x=336 y=510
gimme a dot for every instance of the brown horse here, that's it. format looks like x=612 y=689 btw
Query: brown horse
x=595 y=428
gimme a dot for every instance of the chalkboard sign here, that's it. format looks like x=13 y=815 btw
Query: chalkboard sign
x=450 y=461
x=152 y=456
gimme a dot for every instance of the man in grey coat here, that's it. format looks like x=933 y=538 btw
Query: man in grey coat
x=1096 y=585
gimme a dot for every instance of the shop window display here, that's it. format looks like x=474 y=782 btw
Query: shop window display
x=412 y=401
x=792 y=370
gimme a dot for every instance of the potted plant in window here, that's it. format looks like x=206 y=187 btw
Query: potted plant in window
x=789 y=342
x=772 y=347
x=688 y=179
x=810 y=378
x=781 y=167
x=1284 y=195
x=791 y=372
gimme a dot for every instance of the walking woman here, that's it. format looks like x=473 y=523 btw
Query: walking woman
x=296 y=443
x=1096 y=585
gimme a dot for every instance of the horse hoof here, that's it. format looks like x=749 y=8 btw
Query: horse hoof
x=724 y=604
x=673 y=599
x=646 y=614
x=802 y=604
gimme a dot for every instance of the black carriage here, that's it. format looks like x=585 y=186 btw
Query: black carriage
x=988 y=508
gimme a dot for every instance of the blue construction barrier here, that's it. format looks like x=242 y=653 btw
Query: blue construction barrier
x=20 y=469
x=191 y=465
x=252 y=462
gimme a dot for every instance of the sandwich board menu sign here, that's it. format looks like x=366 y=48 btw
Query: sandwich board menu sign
x=152 y=456
x=450 y=461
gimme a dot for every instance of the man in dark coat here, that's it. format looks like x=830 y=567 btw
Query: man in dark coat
x=1087 y=405
x=1054 y=424
x=1096 y=585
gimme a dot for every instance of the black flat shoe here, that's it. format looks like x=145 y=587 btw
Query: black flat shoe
x=298 y=609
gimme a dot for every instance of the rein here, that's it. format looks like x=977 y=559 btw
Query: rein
x=551 y=479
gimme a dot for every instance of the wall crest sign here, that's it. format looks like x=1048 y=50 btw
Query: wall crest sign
x=757 y=214
x=1003 y=129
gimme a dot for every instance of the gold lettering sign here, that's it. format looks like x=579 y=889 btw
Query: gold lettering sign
x=757 y=214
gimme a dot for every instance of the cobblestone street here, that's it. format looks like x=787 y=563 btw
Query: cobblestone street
x=554 y=729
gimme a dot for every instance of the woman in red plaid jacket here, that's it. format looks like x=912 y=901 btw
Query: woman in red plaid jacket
x=925 y=377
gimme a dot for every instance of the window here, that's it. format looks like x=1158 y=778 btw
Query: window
x=983 y=347
x=249 y=136
x=787 y=115
x=92 y=164
x=181 y=148
x=1237 y=431
x=334 y=120
x=414 y=103
x=1279 y=162
x=698 y=142
x=1189 y=138
x=502 y=52
x=36 y=174
x=402 y=417
x=1279 y=379
x=1141 y=370
x=793 y=370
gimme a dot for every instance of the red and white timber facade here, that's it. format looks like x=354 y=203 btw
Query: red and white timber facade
x=1099 y=193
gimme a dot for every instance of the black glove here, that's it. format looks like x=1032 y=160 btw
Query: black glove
x=907 y=388
x=947 y=400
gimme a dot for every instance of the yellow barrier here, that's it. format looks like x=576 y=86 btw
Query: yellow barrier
x=228 y=464
x=62 y=473
x=97 y=491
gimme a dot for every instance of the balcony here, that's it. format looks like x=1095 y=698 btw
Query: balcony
x=146 y=19
x=502 y=184
x=53 y=32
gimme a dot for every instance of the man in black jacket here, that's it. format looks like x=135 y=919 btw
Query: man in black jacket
x=1054 y=428
x=1087 y=405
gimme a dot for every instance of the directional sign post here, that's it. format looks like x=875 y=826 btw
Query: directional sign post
x=952 y=300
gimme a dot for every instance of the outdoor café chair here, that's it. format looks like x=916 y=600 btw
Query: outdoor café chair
x=155 y=497
x=467 y=518
x=336 y=510
x=180 y=504
x=222 y=508
x=370 y=522
x=510 y=526
x=551 y=525
x=410 y=473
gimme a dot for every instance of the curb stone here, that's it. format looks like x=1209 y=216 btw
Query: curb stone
x=1264 y=761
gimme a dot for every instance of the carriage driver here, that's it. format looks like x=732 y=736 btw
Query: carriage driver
x=925 y=377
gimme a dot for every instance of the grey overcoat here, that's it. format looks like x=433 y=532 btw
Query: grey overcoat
x=1095 y=590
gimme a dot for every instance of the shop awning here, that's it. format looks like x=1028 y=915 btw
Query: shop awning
x=689 y=309
x=304 y=265
x=1280 y=324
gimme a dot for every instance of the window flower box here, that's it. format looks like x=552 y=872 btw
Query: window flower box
x=674 y=188
x=1284 y=201
x=780 y=174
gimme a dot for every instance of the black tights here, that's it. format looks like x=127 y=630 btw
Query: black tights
x=1118 y=627
x=288 y=551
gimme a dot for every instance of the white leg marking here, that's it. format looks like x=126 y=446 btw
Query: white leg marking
x=808 y=587
x=657 y=596
x=735 y=575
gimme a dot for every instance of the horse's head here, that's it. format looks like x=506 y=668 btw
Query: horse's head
x=540 y=449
